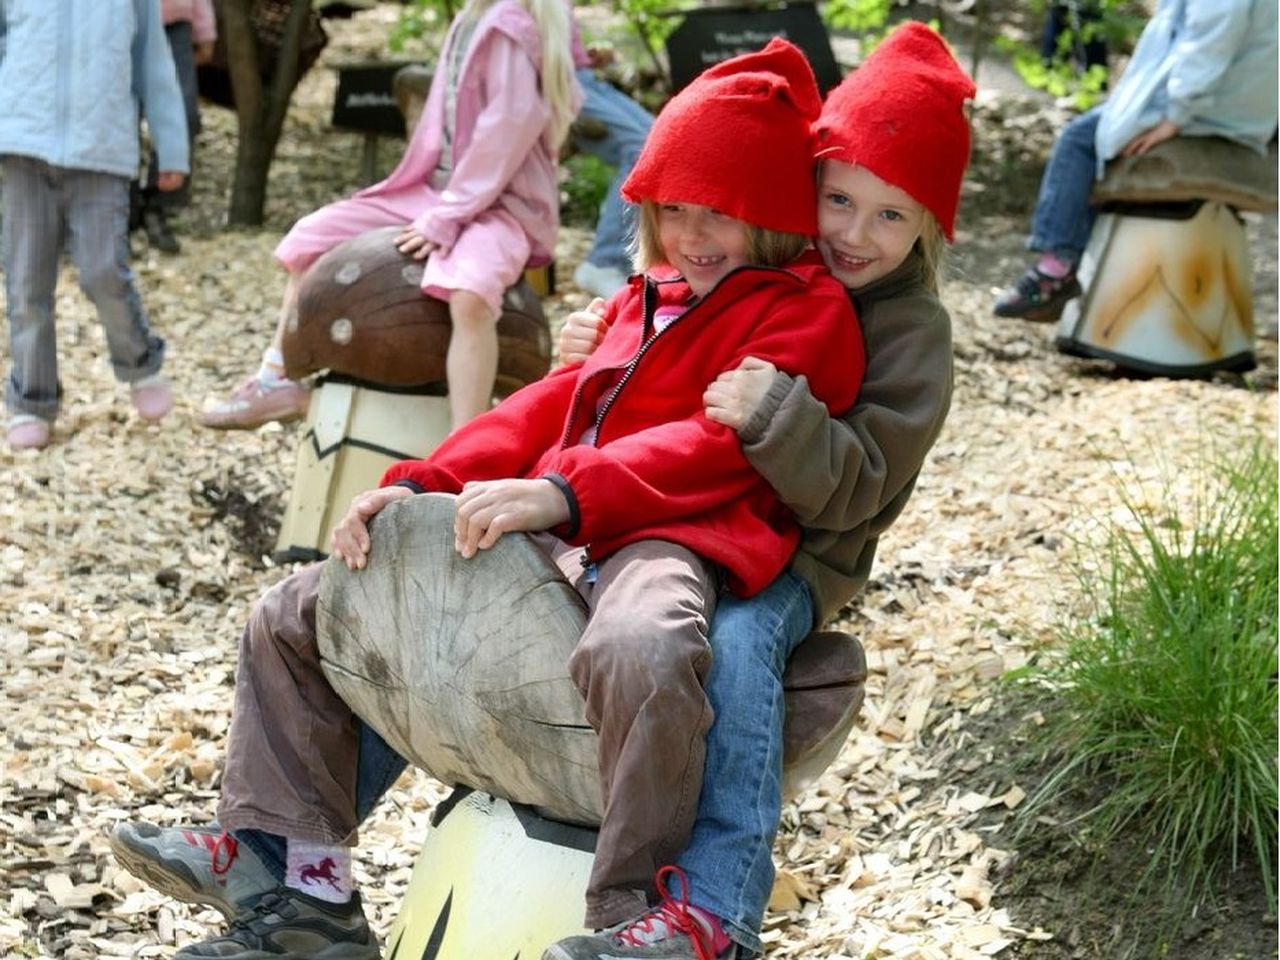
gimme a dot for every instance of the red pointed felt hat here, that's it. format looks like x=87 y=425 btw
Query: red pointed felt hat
x=738 y=139
x=901 y=115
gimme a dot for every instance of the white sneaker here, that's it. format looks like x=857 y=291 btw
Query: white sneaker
x=599 y=281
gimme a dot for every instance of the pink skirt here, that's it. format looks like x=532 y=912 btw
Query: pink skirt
x=489 y=256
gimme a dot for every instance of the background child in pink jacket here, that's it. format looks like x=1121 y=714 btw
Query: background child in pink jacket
x=476 y=193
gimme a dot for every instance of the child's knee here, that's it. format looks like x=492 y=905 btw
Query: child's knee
x=470 y=311
x=622 y=657
x=284 y=616
x=103 y=279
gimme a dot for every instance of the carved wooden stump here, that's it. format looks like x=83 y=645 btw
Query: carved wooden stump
x=461 y=665
x=362 y=313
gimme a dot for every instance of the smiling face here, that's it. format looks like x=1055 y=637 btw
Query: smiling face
x=701 y=243
x=866 y=227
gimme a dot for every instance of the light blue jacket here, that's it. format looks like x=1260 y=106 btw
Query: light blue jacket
x=1207 y=65
x=74 y=75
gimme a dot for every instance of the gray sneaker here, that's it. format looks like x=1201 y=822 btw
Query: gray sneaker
x=287 y=924
x=669 y=932
x=202 y=865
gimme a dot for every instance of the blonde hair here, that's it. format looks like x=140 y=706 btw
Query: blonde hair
x=556 y=77
x=932 y=246
x=767 y=248
x=552 y=17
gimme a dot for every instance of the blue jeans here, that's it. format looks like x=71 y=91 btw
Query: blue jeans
x=1063 y=218
x=729 y=859
x=627 y=124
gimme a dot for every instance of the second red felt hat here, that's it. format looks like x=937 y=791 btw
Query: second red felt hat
x=901 y=116
x=738 y=139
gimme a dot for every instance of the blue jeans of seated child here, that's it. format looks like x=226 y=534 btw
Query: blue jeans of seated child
x=729 y=858
x=626 y=124
x=1063 y=218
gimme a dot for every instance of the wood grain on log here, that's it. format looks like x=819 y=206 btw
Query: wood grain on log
x=461 y=665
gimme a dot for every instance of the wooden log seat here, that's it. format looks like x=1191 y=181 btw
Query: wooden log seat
x=361 y=313
x=461 y=665
x=1193 y=168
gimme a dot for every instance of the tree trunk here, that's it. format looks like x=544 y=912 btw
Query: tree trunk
x=260 y=106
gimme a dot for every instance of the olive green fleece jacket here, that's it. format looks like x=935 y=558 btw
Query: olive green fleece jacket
x=847 y=479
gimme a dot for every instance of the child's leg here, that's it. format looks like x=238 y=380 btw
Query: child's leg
x=640 y=666
x=292 y=745
x=728 y=861
x=98 y=225
x=32 y=240
x=471 y=364
x=488 y=256
x=626 y=127
x=288 y=795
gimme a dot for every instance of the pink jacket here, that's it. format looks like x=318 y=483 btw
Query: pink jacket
x=199 y=13
x=502 y=152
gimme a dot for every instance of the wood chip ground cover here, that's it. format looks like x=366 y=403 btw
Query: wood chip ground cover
x=130 y=556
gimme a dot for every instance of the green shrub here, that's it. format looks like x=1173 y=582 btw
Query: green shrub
x=1119 y=23
x=582 y=188
x=1167 y=680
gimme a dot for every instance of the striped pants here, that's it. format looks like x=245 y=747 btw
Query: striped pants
x=45 y=206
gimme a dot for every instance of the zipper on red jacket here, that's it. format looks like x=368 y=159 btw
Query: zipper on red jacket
x=644 y=347
x=586 y=560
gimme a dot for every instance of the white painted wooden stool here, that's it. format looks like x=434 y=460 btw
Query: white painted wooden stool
x=1167 y=281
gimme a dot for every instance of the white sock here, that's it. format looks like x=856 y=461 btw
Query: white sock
x=271 y=372
x=319 y=870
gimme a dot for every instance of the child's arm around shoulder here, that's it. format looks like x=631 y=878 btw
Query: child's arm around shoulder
x=837 y=473
x=815 y=335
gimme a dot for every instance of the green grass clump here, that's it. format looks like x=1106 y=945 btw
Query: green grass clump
x=583 y=187
x=1167 y=681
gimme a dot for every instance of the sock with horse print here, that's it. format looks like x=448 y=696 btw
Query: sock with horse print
x=319 y=870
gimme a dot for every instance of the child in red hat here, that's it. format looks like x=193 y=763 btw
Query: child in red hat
x=892 y=144
x=647 y=505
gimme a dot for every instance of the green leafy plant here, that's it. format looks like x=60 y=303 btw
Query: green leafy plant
x=582 y=188
x=1167 y=681
x=1117 y=23
x=857 y=16
x=418 y=19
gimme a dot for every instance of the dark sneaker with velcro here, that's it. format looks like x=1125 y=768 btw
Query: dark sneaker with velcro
x=286 y=924
x=202 y=865
x=1037 y=296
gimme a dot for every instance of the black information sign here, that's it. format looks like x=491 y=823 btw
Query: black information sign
x=365 y=101
x=711 y=34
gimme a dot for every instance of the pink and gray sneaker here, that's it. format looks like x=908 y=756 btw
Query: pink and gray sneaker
x=204 y=865
x=674 y=930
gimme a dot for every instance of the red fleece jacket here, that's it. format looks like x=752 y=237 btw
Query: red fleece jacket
x=659 y=468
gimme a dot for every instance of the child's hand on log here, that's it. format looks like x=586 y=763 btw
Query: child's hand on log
x=350 y=540
x=582 y=332
x=735 y=395
x=486 y=509
x=411 y=242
